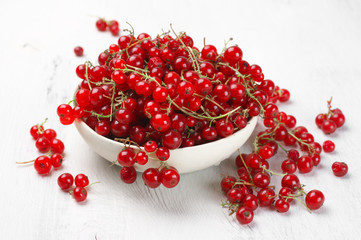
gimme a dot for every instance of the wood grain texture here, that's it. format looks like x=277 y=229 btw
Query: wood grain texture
x=309 y=47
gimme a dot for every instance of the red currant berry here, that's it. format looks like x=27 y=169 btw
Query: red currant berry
x=170 y=177
x=233 y=54
x=162 y=153
x=57 y=146
x=289 y=166
x=56 y=160
x=261 y=179
x=250 y=202
x=150 y=146
x=160 y=122
x=291 y=181
x=235 y=195
x=227 y=183
x=304 y=164
x=314 y=199
x=265 y=152
x=36 y=131
x=328 y=146
x=339 y=169
x=79 y=194
x=152 y=177
x=42 y=144
x=266 y=197
x=338 y=118
x=141 y=158
x=49 y=134
x=42 y=165
x=128 y=175
x=81 y=180
x=101 y=25
x=126 y=158
x=65 y=181
x=328 y=126
x=78 y=51
x=282 y=205
x=244 y=215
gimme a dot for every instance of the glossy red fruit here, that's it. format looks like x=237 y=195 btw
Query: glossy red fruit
x=328 y=126
x=128 y=175
x=80 y=194
x=227 y=183
x=282 y=205
x=152 y=178
x=339 y=169
x=328 y=146
x=42 y=165
x=291 y=181
x=81 y=180
x=57 y=146
x=170 y=177
x=244 y=215
x=56 y=160
x=126 y=158
x=266 y=197
x=65 y=181
x=314 y=199
x=305 y=164
x=42 y=144
x=36 y=131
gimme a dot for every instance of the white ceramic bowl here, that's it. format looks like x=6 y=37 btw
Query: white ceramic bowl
x=186 y=160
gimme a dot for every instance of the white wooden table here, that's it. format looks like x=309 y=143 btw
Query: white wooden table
x=310 y=47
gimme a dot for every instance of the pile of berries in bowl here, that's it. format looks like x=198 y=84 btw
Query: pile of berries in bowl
x=163 y=107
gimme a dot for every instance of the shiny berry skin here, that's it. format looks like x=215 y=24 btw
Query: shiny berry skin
x=57 y=146
x=284 y=193
x=42 y=144
x=227 y=183
x=328 y=146
x=34 y=131
x=250 y=202
x=80 y=194
x=170 y=177
x=289 y=166
x=171 y=139
x=152 y=178
x=328 y=126
x=293 y=154
x=42 y=165
x=235 y=195
x=126 y=158
x=150 y=146
x=64 y=110
x=160 y=94
x=305 y=164
x=162 y=153
x=291 y=181
x=261 y=179
x=128 y=175
x=338 y=118
x=266 y=197
x=339 y=169
x=224 y=128
x=185 y=89
x=160 y=122
x=49 y=134
x=56 y=160
x=209 y=133
x=253 y=160
x=78 y=51
x=65 y=181
x=141 y=158
x=319 y=119
x=233 y=54
x=124 y=116
x=81 y=180
x=314 y=199
x=282 y=205
x=284 y=95
x=265 y=152
x=244 y=215
x=101 y=25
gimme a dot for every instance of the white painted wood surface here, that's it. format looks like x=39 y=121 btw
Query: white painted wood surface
x=310 y=47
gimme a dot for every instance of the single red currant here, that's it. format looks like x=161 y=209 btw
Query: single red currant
x=65 y=181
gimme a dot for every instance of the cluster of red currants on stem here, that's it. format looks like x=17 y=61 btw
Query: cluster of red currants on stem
x=112 y=25
x=46 y=142
x=66 y=181
x=330 y=121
